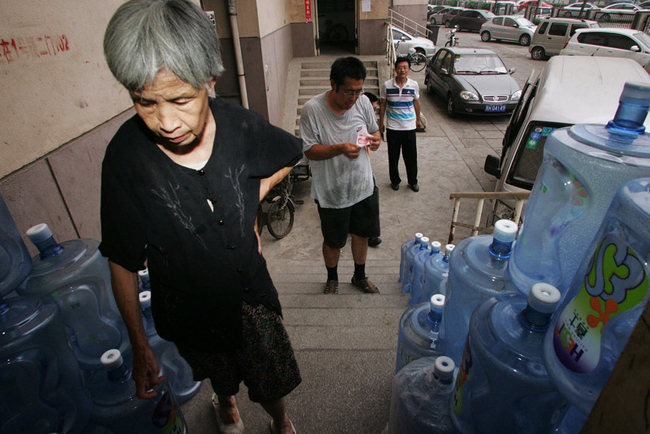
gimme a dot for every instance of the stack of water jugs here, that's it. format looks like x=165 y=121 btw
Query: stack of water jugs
x=65 y=358
x=520 y=336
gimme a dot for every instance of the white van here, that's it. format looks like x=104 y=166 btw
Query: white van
x=569 y=90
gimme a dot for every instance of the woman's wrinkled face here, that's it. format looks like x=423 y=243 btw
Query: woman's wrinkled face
x=173 y=110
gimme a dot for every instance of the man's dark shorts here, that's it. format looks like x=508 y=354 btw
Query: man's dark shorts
x=360 y=219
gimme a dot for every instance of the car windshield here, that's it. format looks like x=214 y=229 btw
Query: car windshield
x=471 y=64
x=523 y=22
x=643 y=37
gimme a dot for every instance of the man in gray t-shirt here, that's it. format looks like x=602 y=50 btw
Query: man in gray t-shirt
x=339 y=129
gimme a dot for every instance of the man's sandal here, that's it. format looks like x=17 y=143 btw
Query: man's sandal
x=331 y=287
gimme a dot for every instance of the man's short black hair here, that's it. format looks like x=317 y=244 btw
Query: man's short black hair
x=372 y=97
x=401 y=59
x=347 y=67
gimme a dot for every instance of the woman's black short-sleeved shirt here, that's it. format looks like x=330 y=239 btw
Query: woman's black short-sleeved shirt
x=194 y=228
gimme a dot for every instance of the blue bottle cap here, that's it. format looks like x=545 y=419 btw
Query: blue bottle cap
x=444 y=367
x=544 y=298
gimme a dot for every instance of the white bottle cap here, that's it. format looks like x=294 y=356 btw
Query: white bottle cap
x=544 y=297
x=111 y=359
x=418 y=236
x=449 y=248
x=437 y=302
x=39 y=233
x=444 y=367
x=424 y=241
x=143 y=274
x=505 y=231
x=145 y=299
x=435 y=246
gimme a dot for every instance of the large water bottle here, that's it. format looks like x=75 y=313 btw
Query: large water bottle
x=76 y=277
x=583 y=168
x=477 y=271
x=420 y=397
x=40 y=382
x=177 y=371
x=417 y=276
x=404 y=256
x=572 y=422
x=436 y=273
x=502 y=386
x=117 y=407
x=415 y=250
x=15 y=263
x=418 y=332
x=605 y=300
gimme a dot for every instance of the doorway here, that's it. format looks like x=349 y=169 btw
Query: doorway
x=337 y=27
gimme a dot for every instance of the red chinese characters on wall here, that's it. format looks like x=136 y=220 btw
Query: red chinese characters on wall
x=31 y=47
x=308 y=11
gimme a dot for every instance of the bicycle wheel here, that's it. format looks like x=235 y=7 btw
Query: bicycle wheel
x=418 y=62
x=280 y=218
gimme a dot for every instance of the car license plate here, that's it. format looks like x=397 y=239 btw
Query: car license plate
x=495 y=108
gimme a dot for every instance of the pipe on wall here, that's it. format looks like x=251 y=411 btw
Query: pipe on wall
x=232 y=11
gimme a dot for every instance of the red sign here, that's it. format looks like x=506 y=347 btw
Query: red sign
x=308 y=11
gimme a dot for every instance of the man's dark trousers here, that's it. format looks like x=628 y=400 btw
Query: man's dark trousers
x=406 y=141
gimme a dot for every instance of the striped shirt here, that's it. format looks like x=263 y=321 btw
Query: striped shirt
x=400 y=113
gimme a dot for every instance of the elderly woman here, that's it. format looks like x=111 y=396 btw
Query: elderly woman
x=181 y=184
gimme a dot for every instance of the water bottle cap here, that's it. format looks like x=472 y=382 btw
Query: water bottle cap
x=449 y=248
x=635 y=91
x=145 y=299
x=544 y=297
x=437 y=301
x=424 y=240
x=39 y=233
x=418 y=236
x=143 y=273
x=505 y=231
x=112 y=359
x=435 y=246
x=444 y=367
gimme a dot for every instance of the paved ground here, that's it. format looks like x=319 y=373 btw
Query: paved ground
x=345 y=344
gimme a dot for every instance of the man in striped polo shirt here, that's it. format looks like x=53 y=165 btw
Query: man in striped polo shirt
x=400 y=102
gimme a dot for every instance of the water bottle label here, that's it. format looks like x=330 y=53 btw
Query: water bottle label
x=165 y=417
x=464 y=374
x=616 y=281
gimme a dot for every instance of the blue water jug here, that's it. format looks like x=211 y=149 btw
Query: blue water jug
x=417 y=276
x=76 y=277
x=502 y=386
x=41 y=385
x=477 y=271
x=436 y=273
x=604 y=301
x=117 y=407
x=418 y=331
x=584 y=166
x=415 y=250
x=572 y=422
x=177 y=371
x=404 y=256
x=420 y=397
x=15 y=263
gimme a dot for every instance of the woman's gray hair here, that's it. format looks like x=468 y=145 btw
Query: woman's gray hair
x=146 y=36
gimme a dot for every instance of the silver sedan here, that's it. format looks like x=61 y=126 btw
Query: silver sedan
x=508 y=28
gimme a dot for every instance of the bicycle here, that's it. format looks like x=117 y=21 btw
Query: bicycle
x=334 y=33
x=417 y=59
x=452 y=39
x=279 y=216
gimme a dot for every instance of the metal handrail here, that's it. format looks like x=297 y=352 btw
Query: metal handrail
x=519 y=197
x=391 y=52
x=408 y=25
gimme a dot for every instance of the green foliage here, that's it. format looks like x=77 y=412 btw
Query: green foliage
x=472 y=4
x=452 y=3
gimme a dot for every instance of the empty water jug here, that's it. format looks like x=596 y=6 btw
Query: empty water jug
x=418 y=331
x=15 y=263
x=177 y=371
x=417 y=249
x=76 y=277
x=605 y=300
x=436 y=273
x=502 y=386
x=584 y=166
x=417 y=276
x=404 y=255
x=477 y=271
x=420 y=397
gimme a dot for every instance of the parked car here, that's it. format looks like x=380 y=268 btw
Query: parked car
x=573 y=10
x=440 y=16
x=508 y=28
x=472 y=81
x=528 y=3
x=471 y=19
x=408 y=41
x=611 y=42
x=552 y=35
x=450 y=15
x=433 y=10
x=645 y=5
x=618 y=12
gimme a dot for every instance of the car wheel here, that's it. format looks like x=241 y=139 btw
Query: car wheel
x=430 y=90
x=524 y=40
x=537 y=53
x=447 y=23
x=567 y=14
x=485 y=36
x=451 y=107
x=606 y=18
